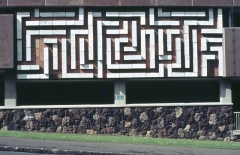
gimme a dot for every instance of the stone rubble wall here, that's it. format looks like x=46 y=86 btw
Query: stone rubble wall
x=198 y=122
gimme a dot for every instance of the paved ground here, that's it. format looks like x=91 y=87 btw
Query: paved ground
x=110 y=148
x=18 y=153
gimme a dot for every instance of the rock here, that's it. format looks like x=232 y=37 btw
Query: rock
x=148 y=134
x=90 y=132
x=178 y=112
x=127 y=111
x=143 y=117
x=65 y=121
x=133 y=132
x=213 y=119
x=159 y=109
x=197 y=117
x=227 y=139
x=96 y=116
x=202 y=137
x=54 y=117
x=43 y=129
x=59 y=129
x=231 y=126
x=111 y=120
x=160 y=122
x=2 y=114
x=28 y=117
x=199 y=133
x=221 y=128
x=173 y=125
x=213 y=136
x=4 y=128
x=38 y=116
x=49 y=130
x=187 y=128
x=219 y=139
x=127 y=125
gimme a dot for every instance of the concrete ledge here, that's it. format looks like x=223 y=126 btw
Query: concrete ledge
x=53 y=151
x=118 y=106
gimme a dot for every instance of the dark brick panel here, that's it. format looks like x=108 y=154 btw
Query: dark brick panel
x=6 y=41
x=236 y=2
x=224 y=3
x=26 y=2
x=3 y=3
x=229 y=52
x=64 y=2
x=237 y=51
x=170 y=2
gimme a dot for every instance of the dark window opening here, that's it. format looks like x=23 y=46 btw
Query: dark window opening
x=172 y=91
x=236 y=95
x=65 y=93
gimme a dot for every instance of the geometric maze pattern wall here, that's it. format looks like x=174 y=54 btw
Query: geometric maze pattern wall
x=119 y=43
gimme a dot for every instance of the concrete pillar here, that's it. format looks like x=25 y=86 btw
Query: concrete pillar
x=10 y=89
x=225 y=91
x=119 y=93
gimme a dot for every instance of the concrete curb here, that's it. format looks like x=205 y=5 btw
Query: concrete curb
x=55 y=151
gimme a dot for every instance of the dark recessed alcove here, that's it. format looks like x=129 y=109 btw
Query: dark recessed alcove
x=65 y=92
x=172 y=91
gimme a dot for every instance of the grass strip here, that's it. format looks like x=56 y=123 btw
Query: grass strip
x=122 y=140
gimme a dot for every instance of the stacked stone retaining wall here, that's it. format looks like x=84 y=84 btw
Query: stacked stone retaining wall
x=198 y=122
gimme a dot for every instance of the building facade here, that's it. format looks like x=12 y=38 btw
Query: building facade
x=143 y=67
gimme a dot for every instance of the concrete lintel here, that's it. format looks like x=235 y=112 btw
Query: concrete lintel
x=119 y=106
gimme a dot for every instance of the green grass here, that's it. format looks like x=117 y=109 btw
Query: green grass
x=122 y=140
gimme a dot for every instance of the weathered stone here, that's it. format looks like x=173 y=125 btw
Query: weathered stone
x=219 y=139
x=148 y=134
x=143 y=117
x=59 y=129
x=66 y=121
x=54 y=117
x=202 y=137
x=127 y=111
x=227 y=139
x=90 y=132
x=213 y=119
x=2 y=114
x=221 y=128
x=43 y=129
x=197 y=117
x=178 y=112
x=111 y=120
x=160 y=122
x=96 y=116
x=213 y=136
x=231 y=126
x=127 y=125
x=159 y=109
x=4 y=128
x=38 y=116
x=133 y=132
x=187 y=128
